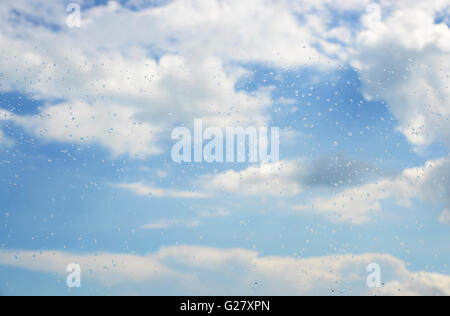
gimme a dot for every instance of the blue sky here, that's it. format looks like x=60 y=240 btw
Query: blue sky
x=86 y=175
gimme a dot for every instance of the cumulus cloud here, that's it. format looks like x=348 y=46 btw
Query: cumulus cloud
x=108 y=269
x=112 y=126
x=214 y=28
x=178 y=61
x=418 y=284
x=202 y=270
x=414 y=77
x=285 y=179
x=359 y=204
x=140 y=92
x=181 y=60
x=292 y=177
x=361 y=187
x=155 y=91
x=271 y=180
x=184 y=68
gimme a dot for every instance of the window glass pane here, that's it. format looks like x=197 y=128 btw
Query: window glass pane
x=224 y=147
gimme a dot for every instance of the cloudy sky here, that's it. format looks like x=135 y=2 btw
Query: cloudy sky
x=358 y=88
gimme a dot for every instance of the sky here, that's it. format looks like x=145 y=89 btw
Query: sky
x=359 y=90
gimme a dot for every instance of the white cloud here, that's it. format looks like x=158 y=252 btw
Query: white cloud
x=150 y=190
x=197 y=44
x=354 y=205
x=418 y=284
x=158 y=93
x=212 y=28
x=287 y=178
x=359 y=204
x=112 y=126
x=271 y=180
x=196 y=41
x=226 y=30
x=404 y=60
x=291 y=177
x=109 y=269
x=5 y=141
x=201 y=270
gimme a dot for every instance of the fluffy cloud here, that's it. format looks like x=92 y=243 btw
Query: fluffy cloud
x=115 y=90
x=359 y=204
x=214 y=28
x=201 y=270
x=173 y=88
x=109 y=269
x=183 y=68
x=112 y=126
x=414 y=76
x=418 y=284
x=271 y=180
x=291 y=178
